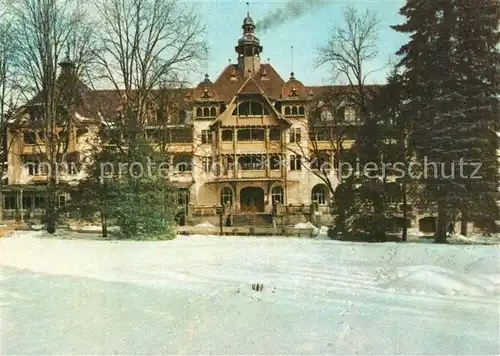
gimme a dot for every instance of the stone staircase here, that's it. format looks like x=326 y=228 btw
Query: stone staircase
x=252 y=220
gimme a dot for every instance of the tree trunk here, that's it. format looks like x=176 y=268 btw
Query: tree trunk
x=1 y=202
x=463 y=225
x=405 y=213
x=104 y=223
x=441 y=224
x=50 y=210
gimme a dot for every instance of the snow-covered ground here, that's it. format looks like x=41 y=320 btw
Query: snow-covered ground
x=193 y=295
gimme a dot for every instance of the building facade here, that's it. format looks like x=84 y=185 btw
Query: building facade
x=242 y=141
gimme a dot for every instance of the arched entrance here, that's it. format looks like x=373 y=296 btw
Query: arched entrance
x=252 y=199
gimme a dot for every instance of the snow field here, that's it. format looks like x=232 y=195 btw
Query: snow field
x=193 y=295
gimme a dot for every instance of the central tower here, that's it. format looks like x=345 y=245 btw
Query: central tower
x=248 y=49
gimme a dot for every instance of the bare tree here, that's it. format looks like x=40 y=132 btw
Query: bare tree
x=349 y=50
x=45 y=30
x=7 y=57
x=328 y=132
x=147 y=44
x=147 y=49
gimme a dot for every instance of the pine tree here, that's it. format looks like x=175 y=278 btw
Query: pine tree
x=477 y=61
x=439 y=76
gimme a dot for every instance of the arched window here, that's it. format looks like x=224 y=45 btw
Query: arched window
x=277 y=195
x=199 y=112
x=301 y=110
x=206 y=112
x=294 y=110
x=226 y=196
x=213 y=112
x=287 y=110
x=318 y=195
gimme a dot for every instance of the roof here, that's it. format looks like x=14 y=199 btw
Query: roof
x=230 y=81
x=98 y=104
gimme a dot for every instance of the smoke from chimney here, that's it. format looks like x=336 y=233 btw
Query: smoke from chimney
x=292 y=10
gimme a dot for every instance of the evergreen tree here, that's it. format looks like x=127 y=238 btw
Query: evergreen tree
x=442 y=63
x=478 y=59
x=129 y=192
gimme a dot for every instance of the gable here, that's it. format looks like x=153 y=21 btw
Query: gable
x=249 y=110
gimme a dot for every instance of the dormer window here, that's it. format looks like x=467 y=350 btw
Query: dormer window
x=206 y=112
x=29 y=138
x=349 y=114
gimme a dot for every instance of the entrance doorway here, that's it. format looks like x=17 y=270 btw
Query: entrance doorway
x=252 y=200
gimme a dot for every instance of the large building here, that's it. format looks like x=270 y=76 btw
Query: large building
x=242 y=141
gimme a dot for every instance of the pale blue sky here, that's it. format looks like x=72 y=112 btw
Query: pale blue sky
x=305 y=33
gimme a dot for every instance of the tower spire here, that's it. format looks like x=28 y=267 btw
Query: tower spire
x=248 y=48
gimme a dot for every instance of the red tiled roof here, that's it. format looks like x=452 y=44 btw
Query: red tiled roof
x=250 y=87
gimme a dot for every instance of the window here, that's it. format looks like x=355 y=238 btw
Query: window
x=275 y=162
x=206 y=112
x=294 y=110
x=320 y=134
x=252 y=162
x=320 y=161
x=287 y=110
x=10 y=203
x=318 y=195
x=295 y=163
x=160 y=115
x=227 y=135
x=206 y=136
x=33 y=166
x=199 y=112
x=29 y=138
x=39 y=202
x=213 y=112
x=182 y=197
x=206 y=163
x=251 y=134
x=277 y=195
x=183 y=163
x=250 y=108
x=27 y=202
x=181 y=135
x=295 y=135
x=302 y=111
x=349 y=114
x=226 y=196
x=61 y=200
x=274 y=134
x=228 y=163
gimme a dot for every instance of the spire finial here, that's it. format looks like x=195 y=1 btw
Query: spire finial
x=291 y=50
x=248 y=8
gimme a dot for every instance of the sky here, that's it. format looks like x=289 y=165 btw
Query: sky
x=305 y=32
